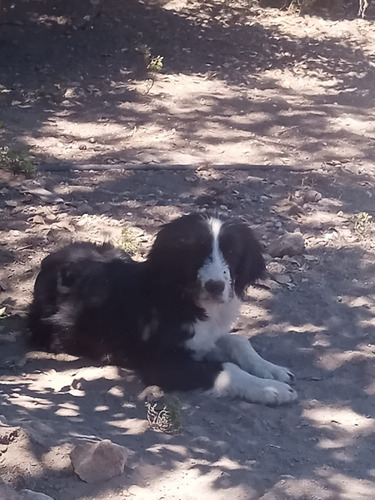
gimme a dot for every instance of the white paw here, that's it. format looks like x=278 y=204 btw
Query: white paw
x=276 y=393
x=235 y=382
x=275 y=372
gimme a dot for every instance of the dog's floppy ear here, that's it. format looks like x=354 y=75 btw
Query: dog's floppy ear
x=251 y=265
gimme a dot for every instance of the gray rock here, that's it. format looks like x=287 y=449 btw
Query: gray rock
x=288 y=244
x=95 y=462
x=283 y=279
x=312 y=196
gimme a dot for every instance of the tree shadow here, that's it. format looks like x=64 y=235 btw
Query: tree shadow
x=72 y=77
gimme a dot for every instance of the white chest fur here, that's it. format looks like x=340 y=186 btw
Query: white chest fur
x=218 y=323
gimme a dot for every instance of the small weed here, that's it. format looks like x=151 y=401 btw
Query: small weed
x=156 y=64
x=128 y=241
x=153 y=63
x=17 y=161
x=362 y=222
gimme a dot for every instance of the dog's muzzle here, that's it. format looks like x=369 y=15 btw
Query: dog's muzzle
x=215 y=288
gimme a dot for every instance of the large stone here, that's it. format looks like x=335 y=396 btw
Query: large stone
x=95 y=462
x=312 y=196
x=288 y=244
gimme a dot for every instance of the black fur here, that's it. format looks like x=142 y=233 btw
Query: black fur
x=94 y=300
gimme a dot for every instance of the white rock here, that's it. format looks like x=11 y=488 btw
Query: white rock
x=3 y=420
x=135 y=490
x=95 y=462
x=34 y=495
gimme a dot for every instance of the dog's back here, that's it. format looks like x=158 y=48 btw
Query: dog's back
x=72 y=292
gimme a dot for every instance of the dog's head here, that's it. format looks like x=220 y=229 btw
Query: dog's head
x=207 y=256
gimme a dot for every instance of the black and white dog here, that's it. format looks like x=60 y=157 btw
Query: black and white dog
x=169 y=317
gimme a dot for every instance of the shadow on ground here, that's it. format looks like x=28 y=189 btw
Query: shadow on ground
x=66 y=82
x=321 y=324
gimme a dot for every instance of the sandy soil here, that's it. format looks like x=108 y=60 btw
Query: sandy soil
x=252 y=109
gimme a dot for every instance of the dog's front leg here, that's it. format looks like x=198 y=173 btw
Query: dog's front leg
x=232 y=381
x=238 y=350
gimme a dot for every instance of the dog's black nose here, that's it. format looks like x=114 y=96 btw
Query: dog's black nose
x=215 y=287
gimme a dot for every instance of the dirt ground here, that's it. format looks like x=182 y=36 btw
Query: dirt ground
x=253 y=109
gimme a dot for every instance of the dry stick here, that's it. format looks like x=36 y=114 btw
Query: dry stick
x=60 y=167
x=363 y=6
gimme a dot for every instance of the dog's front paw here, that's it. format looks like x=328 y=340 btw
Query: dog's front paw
x=276 y=393
x=275 y=372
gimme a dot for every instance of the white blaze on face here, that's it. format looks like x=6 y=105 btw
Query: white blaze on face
x=215 y=268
